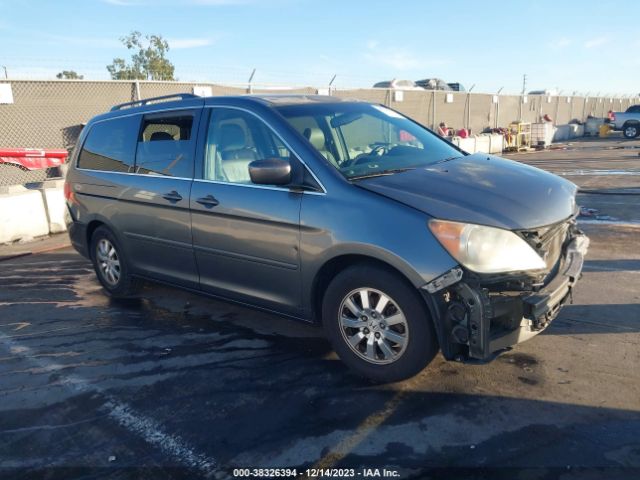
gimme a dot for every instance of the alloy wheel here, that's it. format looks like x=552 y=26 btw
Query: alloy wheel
x=108 y=261
x=373 y=325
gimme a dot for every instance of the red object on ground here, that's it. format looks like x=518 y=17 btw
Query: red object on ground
x=33 y=158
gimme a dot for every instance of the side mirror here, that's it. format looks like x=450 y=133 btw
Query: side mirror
x=270 y=171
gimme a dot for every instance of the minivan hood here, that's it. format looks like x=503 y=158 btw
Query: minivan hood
x=482 y=189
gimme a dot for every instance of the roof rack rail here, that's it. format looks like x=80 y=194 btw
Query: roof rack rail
x=147 y=101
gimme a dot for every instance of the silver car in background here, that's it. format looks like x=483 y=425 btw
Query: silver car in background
x=628 y=121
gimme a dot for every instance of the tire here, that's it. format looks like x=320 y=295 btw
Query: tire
x=631 y=130
x=111 y=266
x=384 y=351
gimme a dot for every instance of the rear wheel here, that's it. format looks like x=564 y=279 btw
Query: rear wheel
x=631 y=130
x=378 y=324
x=112 y=268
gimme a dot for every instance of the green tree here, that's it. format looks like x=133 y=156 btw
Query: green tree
x=69 y=75
x=148 y=59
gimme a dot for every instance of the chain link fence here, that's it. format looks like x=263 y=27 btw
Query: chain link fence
x=14 y=175
x=49 y=114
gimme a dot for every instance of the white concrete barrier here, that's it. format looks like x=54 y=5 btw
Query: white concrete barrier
x=496 y=143
x=571 y=130
x=54 y=202
x=563 y=133
x=592 y=126
x=467 y=144
x=485 y=143
x=22 y=215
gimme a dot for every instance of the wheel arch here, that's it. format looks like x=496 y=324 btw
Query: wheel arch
x=339 y=263
x=91 y=227
x=631 y=124
x=93 y=224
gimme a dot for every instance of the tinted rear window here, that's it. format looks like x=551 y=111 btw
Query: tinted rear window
x=165 y=146
x=111 y=145
x=633 y=109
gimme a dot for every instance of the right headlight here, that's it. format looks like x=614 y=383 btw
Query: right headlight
x=486 y=249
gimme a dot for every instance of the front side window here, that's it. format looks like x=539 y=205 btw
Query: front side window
x=363 y=140
x=235 y=139
x=165 y=145
x=111 y=145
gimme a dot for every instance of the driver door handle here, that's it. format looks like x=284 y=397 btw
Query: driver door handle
x=208 y=201
x=172 y=196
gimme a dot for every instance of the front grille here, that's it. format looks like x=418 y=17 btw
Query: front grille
x=548 y=242
x=552 y=247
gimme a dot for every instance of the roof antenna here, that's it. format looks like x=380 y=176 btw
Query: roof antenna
x=331 y=82
x=250 y=86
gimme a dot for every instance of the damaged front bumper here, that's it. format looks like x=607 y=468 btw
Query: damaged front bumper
x=477 y=317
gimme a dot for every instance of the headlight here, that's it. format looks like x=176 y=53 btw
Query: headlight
x=486 y=249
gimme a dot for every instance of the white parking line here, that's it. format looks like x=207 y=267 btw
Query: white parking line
x=153 y=434
x=126 y=416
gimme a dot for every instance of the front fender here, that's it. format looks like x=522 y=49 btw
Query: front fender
x=358 y=222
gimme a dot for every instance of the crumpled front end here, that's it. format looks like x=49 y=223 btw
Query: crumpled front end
x=478 y=315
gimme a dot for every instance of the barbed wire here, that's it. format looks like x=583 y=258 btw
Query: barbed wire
x=46 y=68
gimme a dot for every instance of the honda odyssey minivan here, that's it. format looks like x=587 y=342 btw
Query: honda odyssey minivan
x=343 y=213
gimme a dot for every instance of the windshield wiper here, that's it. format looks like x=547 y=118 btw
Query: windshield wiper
x=382 y=173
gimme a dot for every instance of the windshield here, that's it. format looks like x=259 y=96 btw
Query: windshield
x=364 y=140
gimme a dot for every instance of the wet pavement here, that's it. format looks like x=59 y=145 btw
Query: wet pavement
x=173 y=385
x=607 y=170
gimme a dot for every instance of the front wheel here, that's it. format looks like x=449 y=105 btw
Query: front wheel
x=378 y=324
x=631 y=131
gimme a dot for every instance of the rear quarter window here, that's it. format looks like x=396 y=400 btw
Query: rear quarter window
x=111 y=145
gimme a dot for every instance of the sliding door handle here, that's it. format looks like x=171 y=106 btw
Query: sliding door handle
x=208 y=201
x=172 y=196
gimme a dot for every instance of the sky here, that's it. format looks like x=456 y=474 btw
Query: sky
x=583 y=47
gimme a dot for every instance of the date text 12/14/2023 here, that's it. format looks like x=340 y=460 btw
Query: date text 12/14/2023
x=315 y=473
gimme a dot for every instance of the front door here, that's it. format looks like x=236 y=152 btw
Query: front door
x=245 y=237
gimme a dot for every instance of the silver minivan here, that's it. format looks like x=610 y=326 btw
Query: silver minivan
x=342 y=213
